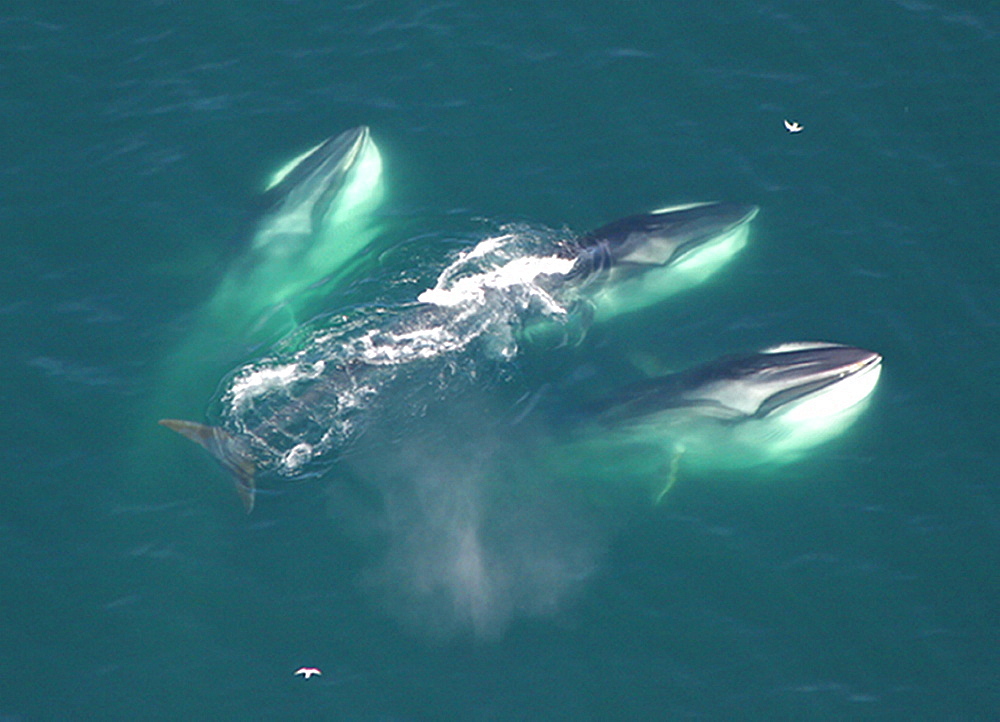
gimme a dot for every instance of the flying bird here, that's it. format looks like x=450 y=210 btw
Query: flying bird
x=793 y=127
x=307 y=671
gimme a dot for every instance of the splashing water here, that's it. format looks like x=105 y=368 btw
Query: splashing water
x=324 y=386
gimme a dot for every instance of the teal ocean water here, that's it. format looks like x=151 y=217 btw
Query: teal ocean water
x=858 y=583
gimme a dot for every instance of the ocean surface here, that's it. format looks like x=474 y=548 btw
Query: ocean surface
x=860 y=582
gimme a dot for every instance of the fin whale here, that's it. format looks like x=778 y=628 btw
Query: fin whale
x=314 y=223
x=637 y=261
x=794 y=383
x=738 y=411
x=635 y=254
x=312 y=226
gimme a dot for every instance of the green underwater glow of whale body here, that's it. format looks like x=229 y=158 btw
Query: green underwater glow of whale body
x=641 y=260
x=624 y=266
x=314 y=228
x=736 y=412
x=316 y=225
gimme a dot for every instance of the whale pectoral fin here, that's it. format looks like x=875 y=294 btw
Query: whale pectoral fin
x=649 y=365
x=276 y=322
x=675 y=462
x=227 y=450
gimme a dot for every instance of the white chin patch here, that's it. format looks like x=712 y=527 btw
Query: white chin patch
x=837 y=398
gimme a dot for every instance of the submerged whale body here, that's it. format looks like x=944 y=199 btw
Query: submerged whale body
x=311 y=398
x=291 y=409
x=786 y=397
x=637 y=261
x=313 y=225
x=737 y=411
x=311 y=228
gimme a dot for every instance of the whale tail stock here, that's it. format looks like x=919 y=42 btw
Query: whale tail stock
x=229 y=451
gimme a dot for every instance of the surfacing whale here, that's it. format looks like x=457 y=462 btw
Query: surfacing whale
x=306 y=404
x=314 y=224
x=738 y=411
x=637 y=261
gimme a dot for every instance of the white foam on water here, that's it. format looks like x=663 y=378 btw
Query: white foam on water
x=520 y=273
x=253 y=382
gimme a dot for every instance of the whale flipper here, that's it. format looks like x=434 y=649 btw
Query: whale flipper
x=227 y=450
x=671 y=474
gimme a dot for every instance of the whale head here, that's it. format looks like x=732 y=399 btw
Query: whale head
x=637 y=261
x=746 y=409
x=327 y=185
x=315 y=226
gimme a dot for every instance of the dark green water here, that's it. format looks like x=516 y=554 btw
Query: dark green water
x=860 y=583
